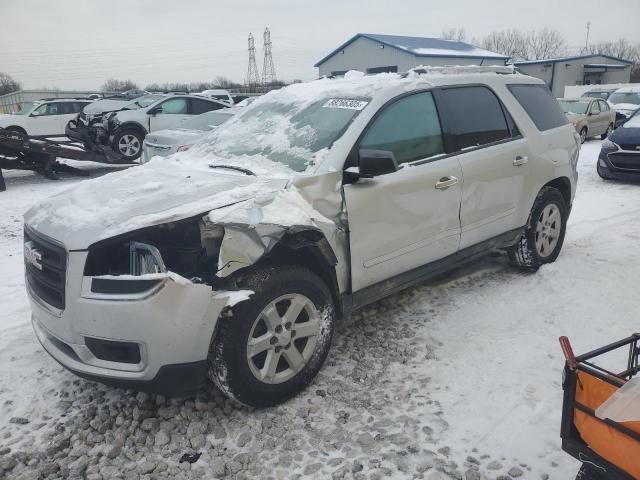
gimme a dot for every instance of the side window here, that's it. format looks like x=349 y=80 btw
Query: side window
x=604 y=106
x=66 y=108
x=47 y=109
x=201 y=106
x=595 y=108
x=175 y=106
x=542 y=108
x=409 y=128
x=474 y=115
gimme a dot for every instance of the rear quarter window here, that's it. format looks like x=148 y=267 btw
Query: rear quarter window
x=542 y=108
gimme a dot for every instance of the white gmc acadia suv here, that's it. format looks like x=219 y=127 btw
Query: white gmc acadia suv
x=233 y=261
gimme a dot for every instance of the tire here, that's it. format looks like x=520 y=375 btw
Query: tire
x=542 y=239
x=128 y=144
x=247 y=378
x=583 y=135
x=608 y=132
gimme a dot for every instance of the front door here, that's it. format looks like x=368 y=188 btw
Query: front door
x=494 y=158
x=408 y=218
x=45 y=120
x=174 y=111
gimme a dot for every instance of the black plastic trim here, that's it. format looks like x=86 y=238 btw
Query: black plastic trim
x=395 y=284
x=114 y=351
x=125 y=287
x=181 y=379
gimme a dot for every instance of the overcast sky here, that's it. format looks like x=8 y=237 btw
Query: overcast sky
x=78 y=44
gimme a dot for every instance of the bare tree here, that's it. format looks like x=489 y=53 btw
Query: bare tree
x=545 y=43
x=224 y=82
x=457 y=34
x=507 y=42
x=115 y=85
x=8 y=84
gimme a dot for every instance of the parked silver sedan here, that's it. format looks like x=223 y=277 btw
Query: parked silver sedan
x=589 y=116
x=178 y=139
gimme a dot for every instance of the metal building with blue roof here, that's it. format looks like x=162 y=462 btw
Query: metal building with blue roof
x=374 y=53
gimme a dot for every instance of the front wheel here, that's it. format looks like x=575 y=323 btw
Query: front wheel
x=608 y=132
x=544 y=234
x=128 y=144
x=275 y=343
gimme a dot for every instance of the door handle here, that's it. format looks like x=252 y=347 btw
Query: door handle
x=446 y=182
x=520 y=160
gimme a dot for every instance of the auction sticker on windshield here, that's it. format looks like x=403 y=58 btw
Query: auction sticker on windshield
x=347 y=103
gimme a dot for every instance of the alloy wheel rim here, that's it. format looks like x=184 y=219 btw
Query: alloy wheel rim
x=583 y=135
x=548 y=228
x=129 y=145
x=283 y=338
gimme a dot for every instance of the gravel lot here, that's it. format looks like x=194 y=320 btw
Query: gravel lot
x=457 y=378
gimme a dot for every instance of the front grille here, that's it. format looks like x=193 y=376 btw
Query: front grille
x=625 y=161
x=46 y=272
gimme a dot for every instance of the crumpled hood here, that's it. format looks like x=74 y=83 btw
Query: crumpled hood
x=160 y=191
x=107 y=105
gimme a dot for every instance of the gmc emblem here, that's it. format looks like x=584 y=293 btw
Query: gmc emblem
x=32 y=255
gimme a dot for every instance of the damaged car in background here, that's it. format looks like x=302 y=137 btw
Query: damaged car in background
x=118 y=130
x=232 y=261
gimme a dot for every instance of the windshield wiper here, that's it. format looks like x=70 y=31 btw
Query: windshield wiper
x=246 y=171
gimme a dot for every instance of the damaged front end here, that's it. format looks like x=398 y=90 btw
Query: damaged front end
x=306 y=219
x=93 y=131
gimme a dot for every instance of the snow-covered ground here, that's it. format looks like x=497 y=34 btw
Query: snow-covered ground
x=454 y=377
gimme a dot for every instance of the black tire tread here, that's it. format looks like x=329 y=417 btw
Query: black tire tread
x=523 y=254
x=267 y=281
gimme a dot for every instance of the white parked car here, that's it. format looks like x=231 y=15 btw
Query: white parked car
x=179 y=139
x=235 y=260
x=220 y=94
x=44 y=117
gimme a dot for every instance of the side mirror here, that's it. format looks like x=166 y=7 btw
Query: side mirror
x=155 y=110
x=35 y=114
x=373 y=163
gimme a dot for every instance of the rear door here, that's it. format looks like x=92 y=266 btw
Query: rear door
x=608 y=116
x=174 y=111
x=408 y=218
x=494 y=158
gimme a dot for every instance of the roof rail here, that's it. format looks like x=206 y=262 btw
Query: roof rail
x=460 y=69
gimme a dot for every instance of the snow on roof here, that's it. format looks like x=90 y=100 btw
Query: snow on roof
x=635 y=88
x=422 y=47
x=566 y=59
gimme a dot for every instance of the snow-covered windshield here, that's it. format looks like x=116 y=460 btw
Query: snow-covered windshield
x=206 y=121
x=574 y=106
x=625 y=97
x=143 y=102
x=24 y=108
x=601 y=95
x=287 y=133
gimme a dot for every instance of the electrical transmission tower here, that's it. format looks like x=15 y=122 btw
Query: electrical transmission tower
x=253 y=78
x=268 y=69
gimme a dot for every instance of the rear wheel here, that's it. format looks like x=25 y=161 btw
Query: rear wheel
x=16 y=129
x=544 y=234
x=608 y=132
x=276 y=342
x=583 y=135
x=128 y=144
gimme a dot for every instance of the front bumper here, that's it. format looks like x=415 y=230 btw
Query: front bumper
x=171 y=327
x=620 y=165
